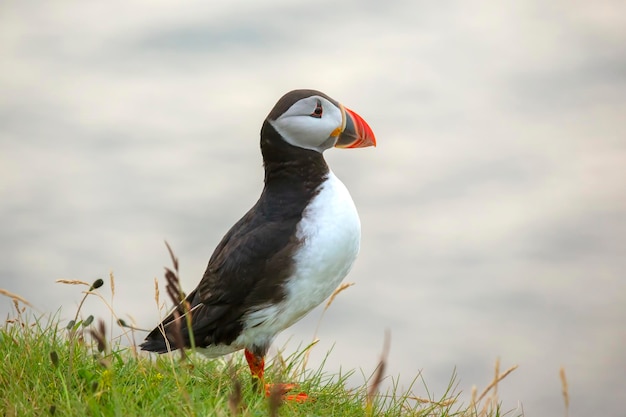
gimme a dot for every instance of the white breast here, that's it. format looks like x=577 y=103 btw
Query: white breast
x=330 y=231
x=331 y=234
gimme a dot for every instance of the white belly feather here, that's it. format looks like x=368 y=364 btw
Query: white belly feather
x=330 y=230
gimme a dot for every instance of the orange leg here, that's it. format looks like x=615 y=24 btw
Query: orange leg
x=257 y=368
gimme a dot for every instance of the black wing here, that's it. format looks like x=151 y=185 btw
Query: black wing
x=246 y=272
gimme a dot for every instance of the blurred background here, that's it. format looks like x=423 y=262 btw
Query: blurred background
x=493 y=208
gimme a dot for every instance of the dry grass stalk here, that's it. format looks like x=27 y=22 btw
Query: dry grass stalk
x=93 y=286
x=72 y=282
x=99 y=335
x=336 y=292
x=19 y=312
x=473 y=399
x=493 y=399
x=177 y=334
x=72 y=327
x=174 y=291
x=379 y=374
x=565 y=390
x=108 y=305
x=495 y=378
x=275 y=400
x=235 y=399
x=495 y=381
x=442 y=403
x=157 y=293
x=112 y=280
x=15 y=297
x=174 y=258
x=182 y=309
x=332 y=297
x=489 y=402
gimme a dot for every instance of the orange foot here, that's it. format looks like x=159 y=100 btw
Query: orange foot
x=283 y=389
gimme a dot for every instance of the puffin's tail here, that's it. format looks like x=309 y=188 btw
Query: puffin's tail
x=156 y=344
x=161 y=338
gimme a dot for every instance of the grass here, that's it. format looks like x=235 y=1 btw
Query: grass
x=78 y=368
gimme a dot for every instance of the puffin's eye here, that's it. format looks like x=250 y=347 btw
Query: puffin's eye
x=317 y=113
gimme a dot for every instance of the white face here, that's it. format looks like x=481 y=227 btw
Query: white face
x=311 y=123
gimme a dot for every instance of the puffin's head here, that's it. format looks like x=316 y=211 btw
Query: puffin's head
x=310 y=119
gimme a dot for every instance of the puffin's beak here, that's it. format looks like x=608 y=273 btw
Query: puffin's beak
x=356 y=133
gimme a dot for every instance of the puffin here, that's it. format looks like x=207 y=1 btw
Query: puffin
x=289 y=252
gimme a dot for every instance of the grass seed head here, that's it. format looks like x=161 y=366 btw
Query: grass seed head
x=88 y=321
x=72 y=282
x=54 y=358
x=96 y=284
